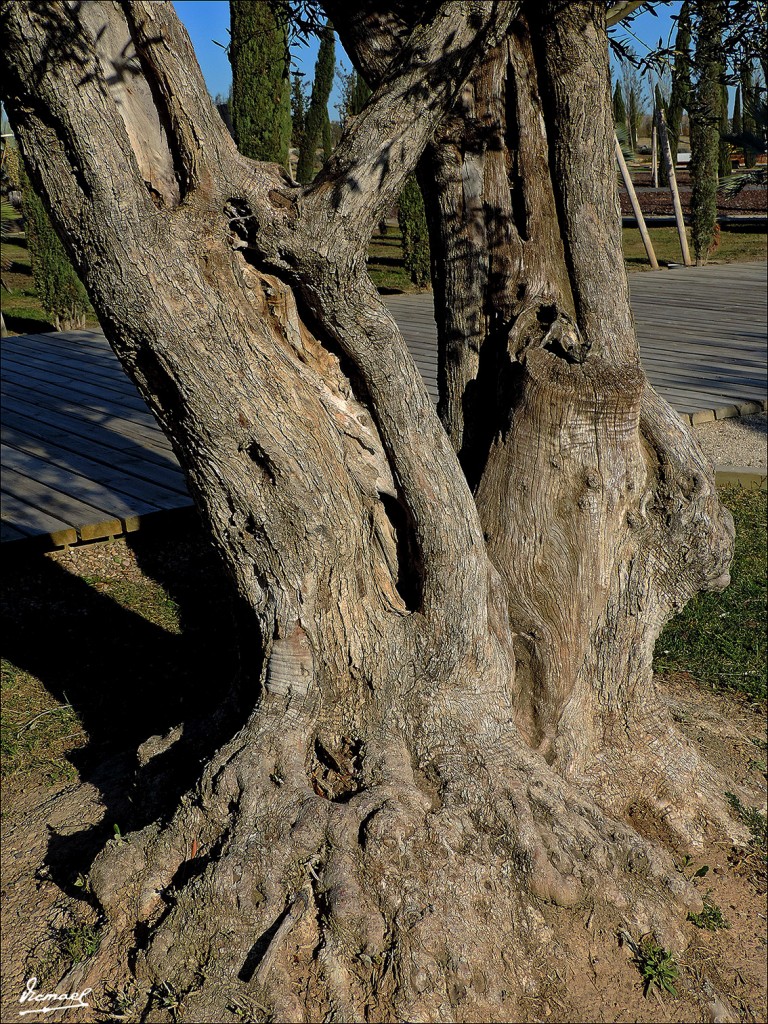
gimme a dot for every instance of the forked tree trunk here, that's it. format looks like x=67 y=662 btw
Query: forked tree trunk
x=451 y=625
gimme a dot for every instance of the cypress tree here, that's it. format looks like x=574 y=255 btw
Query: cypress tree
x=748 y=124
x=619 y=108
x=261 y=90
x=318 y=105
x=680 y=95
x=633 y=114
x=706 y=103
x=413 y=226
x=327 y=137
x=724 y=149
x=58 y=287
x=298 y=111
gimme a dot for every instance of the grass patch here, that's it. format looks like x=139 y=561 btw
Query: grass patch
x=37 y=731
x=15 y=252
x=79 y=942
x=145 y=597
x=109 y=645
x=755 y=820
x=737 y=245
x=39 y=727
x=385 y=262
x=720 y=638
x=22 y=311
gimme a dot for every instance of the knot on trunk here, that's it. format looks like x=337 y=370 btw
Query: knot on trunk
x=543 y=324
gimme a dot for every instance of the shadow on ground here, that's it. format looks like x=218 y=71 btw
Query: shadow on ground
x=129 y=678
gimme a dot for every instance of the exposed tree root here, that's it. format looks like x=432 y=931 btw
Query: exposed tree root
x=389 y=901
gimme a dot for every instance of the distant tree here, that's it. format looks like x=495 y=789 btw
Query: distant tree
x=261 y=93
x=413 y=226
x=58 y=287
x=298 y=110
x=757 y=176
x=748 y=101
x=361 y=93
x=724 y=148
x=634 y=90
x=355 y=93
x=680 y=95
x=317 y=115
x=706 y=104
x=224 y=106
x=327 y=136
x=619 y=108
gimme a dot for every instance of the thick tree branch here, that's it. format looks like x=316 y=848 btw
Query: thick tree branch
x=54 y=81
x=572 y=56
x=386 y=141
x=373 y=33
x=199 y=137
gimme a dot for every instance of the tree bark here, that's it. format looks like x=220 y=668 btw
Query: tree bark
x=450 y=624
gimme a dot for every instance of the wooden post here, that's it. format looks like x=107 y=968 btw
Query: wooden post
x=666 y=153
x=635 y=205
x=654 y=154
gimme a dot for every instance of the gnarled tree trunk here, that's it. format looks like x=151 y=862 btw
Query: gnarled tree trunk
x=450 y=623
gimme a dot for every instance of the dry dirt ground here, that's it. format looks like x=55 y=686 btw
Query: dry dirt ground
x=584 y=975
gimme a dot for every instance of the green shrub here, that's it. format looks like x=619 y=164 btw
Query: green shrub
x=413 y=225
x=58 y=287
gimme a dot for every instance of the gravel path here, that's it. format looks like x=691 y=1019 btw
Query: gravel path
x=742 y=441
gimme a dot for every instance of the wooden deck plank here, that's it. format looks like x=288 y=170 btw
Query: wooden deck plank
x=35 y=389
x=32 y=522
x=81 y=450
x=68 y=447
x=122 y=432
x=99 y=363
x=107 y=467
x=70 y=362
x=64 y=506
x=75 y=467
x=77 y=487
x=58 y=396
x=47 y=427
x=34 y=375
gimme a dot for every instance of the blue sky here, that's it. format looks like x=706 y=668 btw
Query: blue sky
x=207 y=22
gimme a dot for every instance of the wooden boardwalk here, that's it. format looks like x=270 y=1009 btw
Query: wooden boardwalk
x=83 y=459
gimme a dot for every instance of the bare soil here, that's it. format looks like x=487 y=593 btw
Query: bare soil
x=50 y=833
